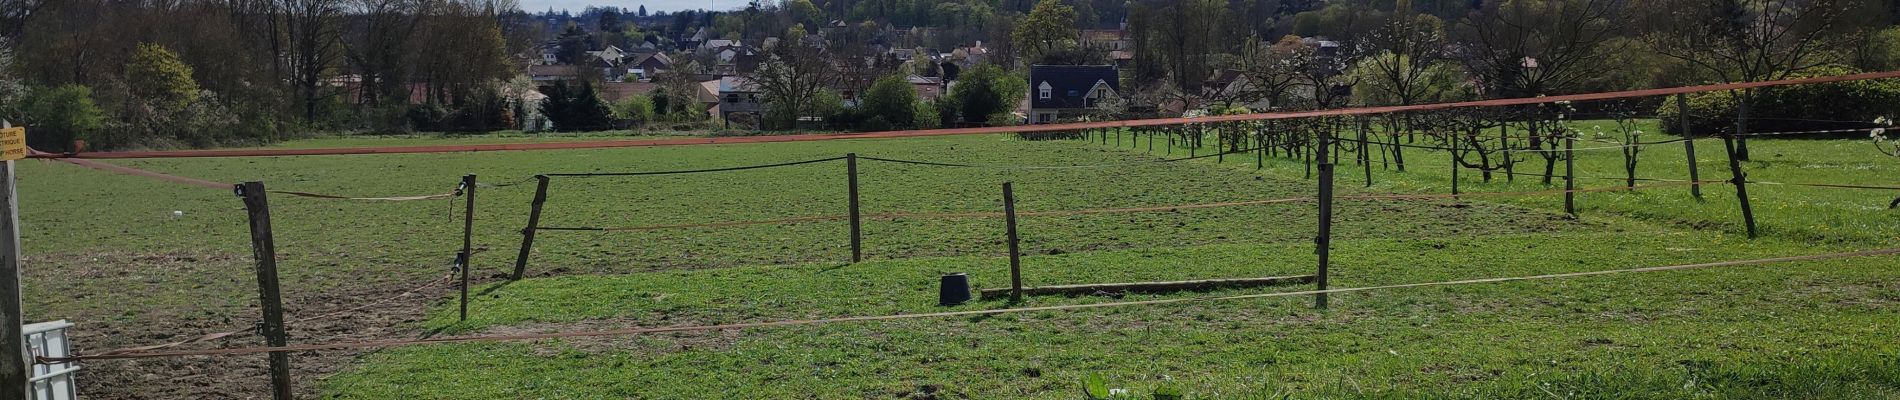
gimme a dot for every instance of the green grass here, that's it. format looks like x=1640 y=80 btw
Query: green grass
x=1765 y=326
x=106 y=252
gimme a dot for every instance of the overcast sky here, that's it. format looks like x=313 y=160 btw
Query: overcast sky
x=652 y=5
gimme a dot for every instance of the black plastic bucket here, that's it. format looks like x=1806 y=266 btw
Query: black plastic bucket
x=954 y=290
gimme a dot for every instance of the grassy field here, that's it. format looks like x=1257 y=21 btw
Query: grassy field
x=1821 y=329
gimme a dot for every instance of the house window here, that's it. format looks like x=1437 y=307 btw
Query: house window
x=1045 y=118
x=1046 y=91
x=732 y=97
x=1073 y=93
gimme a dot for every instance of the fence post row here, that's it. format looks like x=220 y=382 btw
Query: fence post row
x=534 y=220
x=1688 y=144
x=857 y=238
x=1015 y=253
x=264 y=251
x=1323 y=242
x=466 y=260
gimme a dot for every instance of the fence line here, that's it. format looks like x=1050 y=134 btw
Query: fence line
x=1037 y=167
x=1072 y=307
x=981 y=214
x=975 y=131
x=694 y=171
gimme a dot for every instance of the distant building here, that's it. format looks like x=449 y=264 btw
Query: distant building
x=644 y=66
x=1059 y=92
x=740 y=96
x=1106 y=39
x=928 y=88
x=547 y=74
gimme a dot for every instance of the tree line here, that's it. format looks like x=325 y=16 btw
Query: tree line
x=220 y=72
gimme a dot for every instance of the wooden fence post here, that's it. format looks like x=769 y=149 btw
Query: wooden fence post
x=1570 y=174
x=1260 y=148
x=264 y=251
x=534 y=220
x=1323 y=242
x=1740 y=179
x=468 y=238
x=1365 y=157
x=1015 y=253
x=16 y=362
x=1454 y=164
x=857 y=240
x=1688 y=144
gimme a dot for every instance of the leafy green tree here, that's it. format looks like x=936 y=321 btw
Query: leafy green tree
x=827 y=103
x=635 y=109
x=802 y=12
x=1437 y=82
x=158 y=77
x=55 y=117
x=1048 y=28
x=1883 y=50
x=927 y=117
x=893 y=98
x=986 y=92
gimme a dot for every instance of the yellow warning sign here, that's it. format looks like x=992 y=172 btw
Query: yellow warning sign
x=12 y=144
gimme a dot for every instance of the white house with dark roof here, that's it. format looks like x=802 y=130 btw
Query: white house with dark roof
x=1059 y=92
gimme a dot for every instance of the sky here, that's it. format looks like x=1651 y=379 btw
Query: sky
x=652 y=5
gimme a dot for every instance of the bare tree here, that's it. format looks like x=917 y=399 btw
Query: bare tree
x=1531 y=48
x=377 y=45
x=1528 y=48
x=790 y=79
x=1747 y=41
x=310 y=27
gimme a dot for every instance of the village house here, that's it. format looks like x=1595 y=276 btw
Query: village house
x=928 y=88
x=1060 y=92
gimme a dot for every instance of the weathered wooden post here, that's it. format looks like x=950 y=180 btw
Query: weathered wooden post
x=1015 y=253
x=534 y=220
x=1454 y=164
x=1365 y=158
x=1688 y=144
x=1740 y=179
x=264 y=251
x=857 y=224
x=15 y=359
x=1570 y=173
x=466 y=260
x=1323 y=242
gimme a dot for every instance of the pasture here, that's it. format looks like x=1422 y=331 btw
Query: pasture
x=108 y=252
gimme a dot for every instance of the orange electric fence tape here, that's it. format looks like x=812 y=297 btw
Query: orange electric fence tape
x=970 y=131
x=787 y=323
